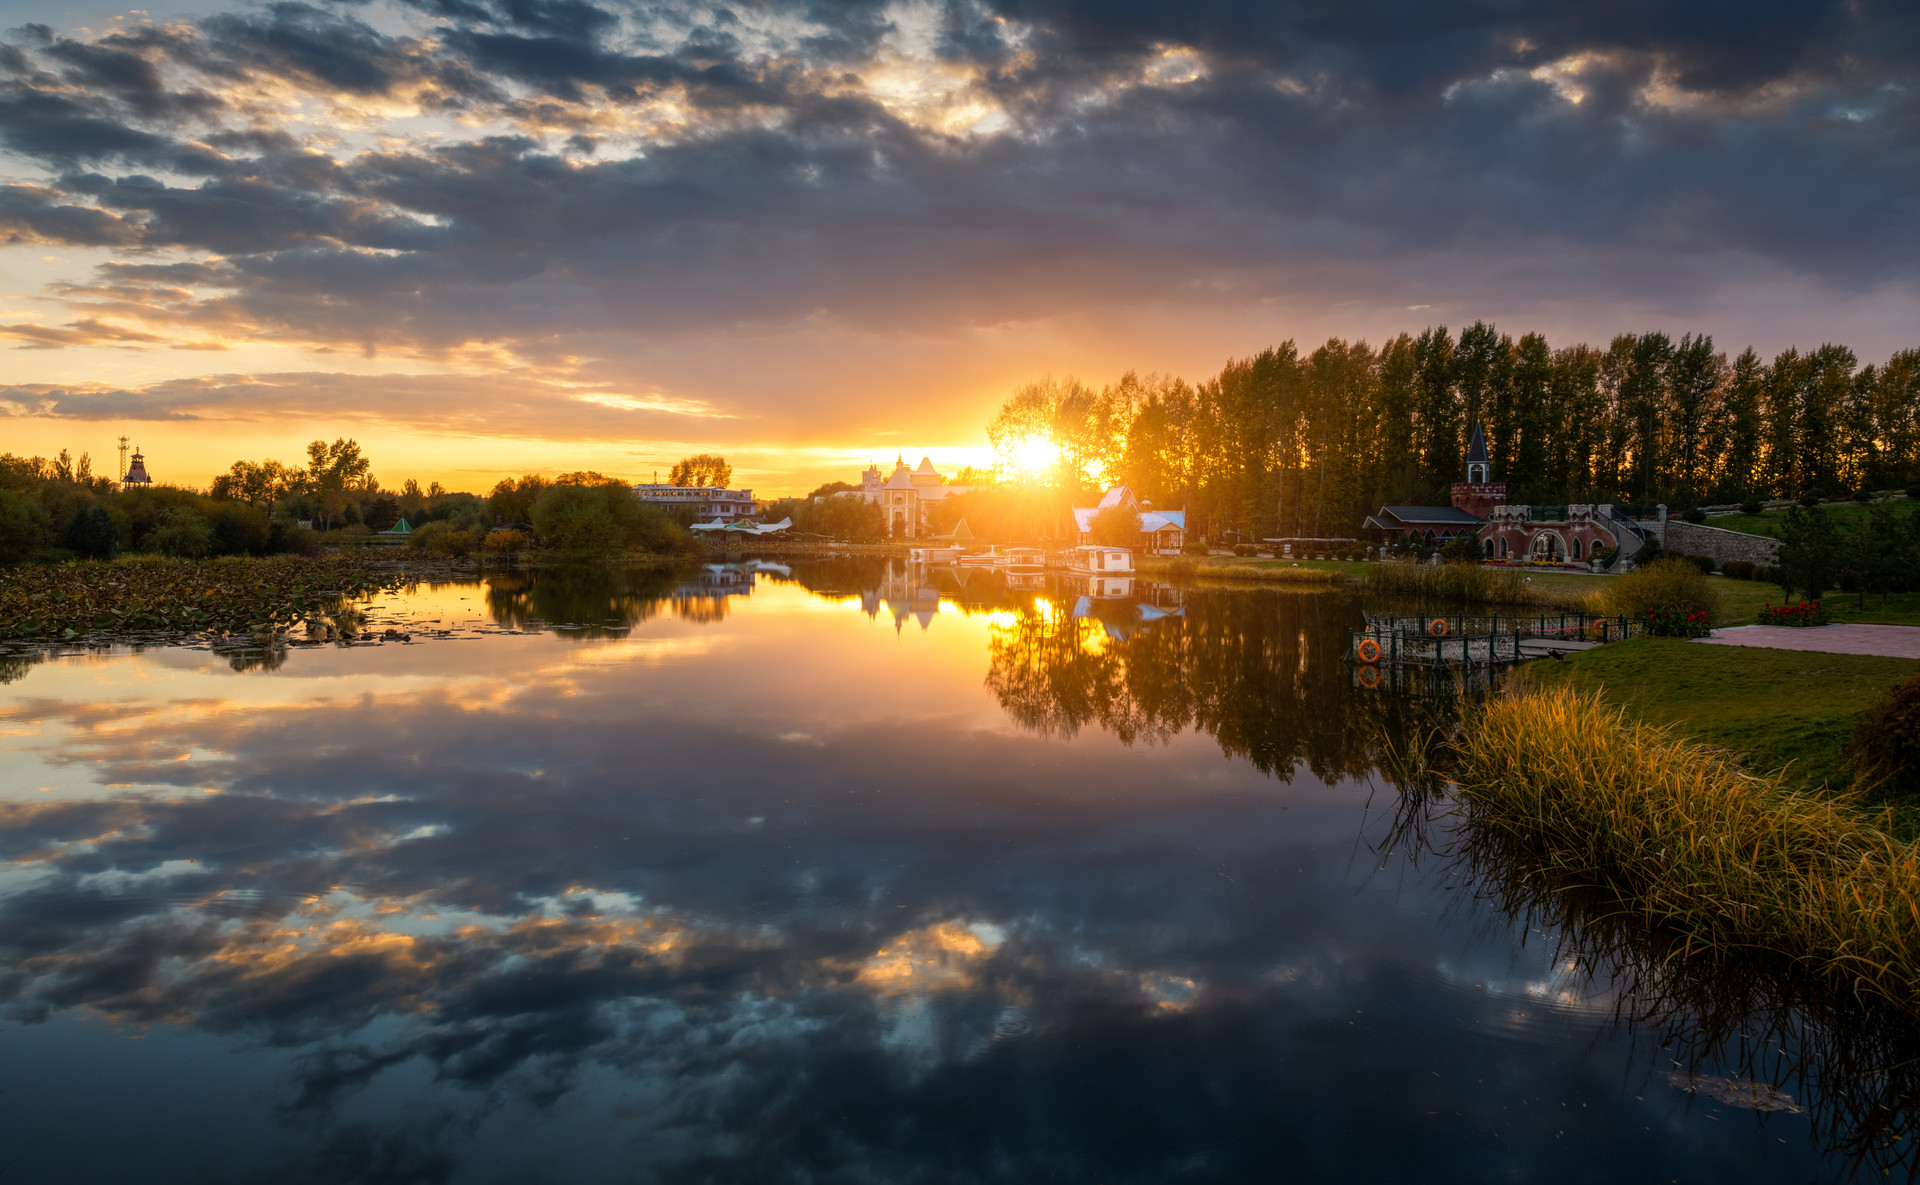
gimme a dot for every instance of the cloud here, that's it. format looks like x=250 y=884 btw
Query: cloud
x=559 y=189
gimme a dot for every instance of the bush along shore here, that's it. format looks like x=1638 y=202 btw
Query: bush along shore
x=149 y=599
x=1683 y=839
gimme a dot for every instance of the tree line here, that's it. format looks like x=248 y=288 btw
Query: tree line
x=54 y=509
x=1287 y=443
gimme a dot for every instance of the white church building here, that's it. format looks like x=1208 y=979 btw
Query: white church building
x=907 y=495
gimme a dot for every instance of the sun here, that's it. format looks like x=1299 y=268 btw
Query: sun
x=1036 y=455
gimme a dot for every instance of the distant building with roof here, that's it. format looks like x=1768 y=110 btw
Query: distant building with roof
x=907 y=496
x=137 y=471
x=706 y=502
x=1479 y=509
x=1162 y=532
x=1433 y=526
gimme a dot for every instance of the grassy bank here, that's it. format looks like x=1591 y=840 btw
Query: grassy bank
x=1849 y=515
x=1780 y=711
x=1689 y=842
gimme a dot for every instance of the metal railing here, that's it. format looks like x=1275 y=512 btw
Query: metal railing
x=1477 y=639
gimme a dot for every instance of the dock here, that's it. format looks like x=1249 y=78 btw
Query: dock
x=1480 y=640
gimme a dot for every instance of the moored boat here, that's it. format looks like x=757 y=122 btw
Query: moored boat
x=1091 y=559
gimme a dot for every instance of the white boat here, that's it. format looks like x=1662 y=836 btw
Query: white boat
x=1026 y=559
x=1092 y=559
x=933 y=555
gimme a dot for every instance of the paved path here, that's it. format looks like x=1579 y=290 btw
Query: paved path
x=1894 y=641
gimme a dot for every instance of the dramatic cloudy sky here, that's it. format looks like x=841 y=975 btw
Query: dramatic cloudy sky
x=492 y=235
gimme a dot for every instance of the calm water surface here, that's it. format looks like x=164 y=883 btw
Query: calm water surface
x=827 y=874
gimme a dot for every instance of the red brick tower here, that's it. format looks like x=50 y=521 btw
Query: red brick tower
x=1476 y=495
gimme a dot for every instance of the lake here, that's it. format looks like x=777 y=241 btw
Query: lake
x=834 y=872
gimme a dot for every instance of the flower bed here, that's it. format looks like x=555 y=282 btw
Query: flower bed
x=1675 y=623
x=1805 y=613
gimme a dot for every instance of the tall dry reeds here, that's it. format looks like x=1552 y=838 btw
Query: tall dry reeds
x=1728 y=861
x=1184 y=568
x=1457 y=582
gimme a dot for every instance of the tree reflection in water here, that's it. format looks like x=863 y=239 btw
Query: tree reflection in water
x=1261 y=673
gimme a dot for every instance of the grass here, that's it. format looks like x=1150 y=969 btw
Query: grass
x=1783 y=712
x=1692 y=844
x=1849 y=515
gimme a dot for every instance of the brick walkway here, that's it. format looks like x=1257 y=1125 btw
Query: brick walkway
x=1893 y=641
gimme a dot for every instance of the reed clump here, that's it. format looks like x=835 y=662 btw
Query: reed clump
x=1458 y=582
x=1184 y=568
x=1728 y=861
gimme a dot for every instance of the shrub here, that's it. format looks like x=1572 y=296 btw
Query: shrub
x=1812 y=498
x=1705 y=563
x=1195 y=548
x=506 y=541
x=1462 y=549
x=1694 y=514
x=1244 y=549
x=300 y=541
x=1751 y=508
x=1885 y=745
x=1863 y=494
x=1804 y=614
x=442 y=538
x=1737 y=569
x=1665 y=586
x=1913 y=491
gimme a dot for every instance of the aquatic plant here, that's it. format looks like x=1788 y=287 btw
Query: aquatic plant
x=148 y=594
x=1689 y=843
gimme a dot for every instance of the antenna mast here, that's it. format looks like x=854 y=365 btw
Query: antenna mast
x=123 y=460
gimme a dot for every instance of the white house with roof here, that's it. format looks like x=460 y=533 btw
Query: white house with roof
x=1162 y=532
x=907 y=495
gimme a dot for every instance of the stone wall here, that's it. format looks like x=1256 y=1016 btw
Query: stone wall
x=1724 y=546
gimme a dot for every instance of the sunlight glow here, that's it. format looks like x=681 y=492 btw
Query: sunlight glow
x=1035 y=455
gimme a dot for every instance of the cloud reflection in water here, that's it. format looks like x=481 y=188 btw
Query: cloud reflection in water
x=584 y=890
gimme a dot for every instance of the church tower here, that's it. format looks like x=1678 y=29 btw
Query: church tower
x=1478 y=495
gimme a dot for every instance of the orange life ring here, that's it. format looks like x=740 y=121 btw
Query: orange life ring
x=1368 y=651
x=1369 y=677
x=1437 y=627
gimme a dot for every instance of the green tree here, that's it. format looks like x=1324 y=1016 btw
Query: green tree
x=1811 y=553
x=702 y=469
x=23 y=527
x=182 y=532
x=1116 y=526
x=92 y=533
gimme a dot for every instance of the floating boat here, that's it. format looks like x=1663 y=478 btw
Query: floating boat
x=1092 y=559
x=933 y=555
x=1026 y=559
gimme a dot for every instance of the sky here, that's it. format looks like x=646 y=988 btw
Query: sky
x=497 y=236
